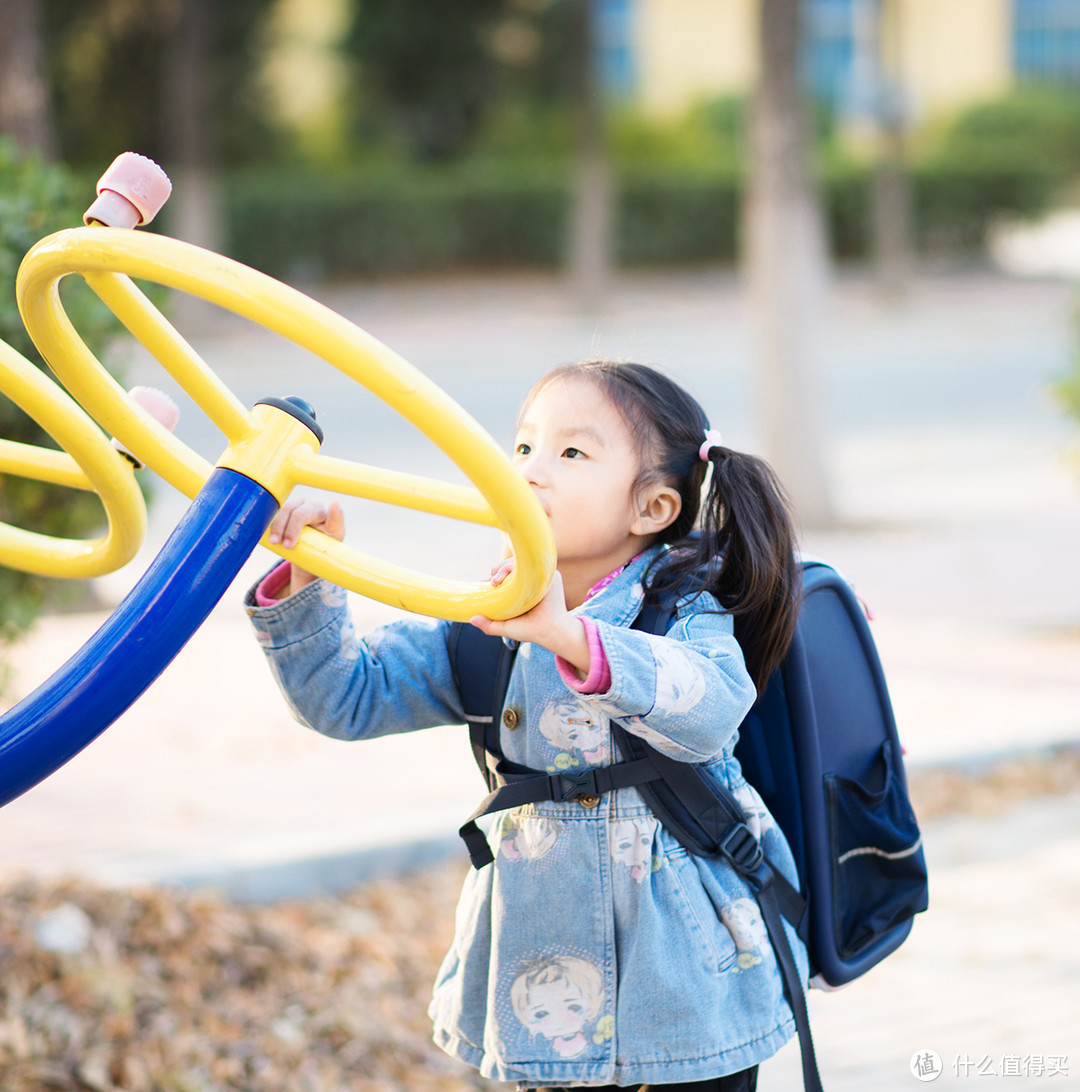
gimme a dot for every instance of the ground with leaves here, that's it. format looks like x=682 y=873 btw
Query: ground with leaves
x=168 y=991
x=158 y=990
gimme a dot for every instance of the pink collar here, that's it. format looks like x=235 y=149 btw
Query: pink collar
x=604 y=581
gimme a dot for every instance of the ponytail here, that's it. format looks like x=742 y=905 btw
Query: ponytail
x=744 y=555
x=747 y=518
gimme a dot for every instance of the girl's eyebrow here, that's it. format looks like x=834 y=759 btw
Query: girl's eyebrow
x=582 y=432
x=570 y=432
x=592 y=433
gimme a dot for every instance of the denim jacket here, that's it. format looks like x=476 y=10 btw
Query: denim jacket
x=594 y=950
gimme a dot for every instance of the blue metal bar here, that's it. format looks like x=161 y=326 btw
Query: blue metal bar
x=138 y=641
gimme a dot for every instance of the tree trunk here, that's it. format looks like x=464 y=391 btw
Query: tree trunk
x=892 y=215
x=25 y=111
x=589 y=244
x=787 y=267
x=194 y=213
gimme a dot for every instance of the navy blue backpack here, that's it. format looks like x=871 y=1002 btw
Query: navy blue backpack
x=820 y=746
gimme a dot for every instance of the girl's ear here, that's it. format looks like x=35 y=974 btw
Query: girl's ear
x=659 y=507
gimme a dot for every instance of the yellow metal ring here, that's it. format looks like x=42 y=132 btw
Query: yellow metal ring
x=502 y=499
x=89 y=463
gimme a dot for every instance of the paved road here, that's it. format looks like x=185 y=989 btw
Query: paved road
x=988 y=978
x=960 y=526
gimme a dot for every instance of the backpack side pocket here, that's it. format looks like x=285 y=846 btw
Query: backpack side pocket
x=879 y=871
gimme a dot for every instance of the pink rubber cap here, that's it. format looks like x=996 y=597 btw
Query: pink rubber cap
x=160 y=406
x=130 y=192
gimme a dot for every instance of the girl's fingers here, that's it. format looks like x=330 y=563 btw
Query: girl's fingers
x=291 y=520
x=502 y=571
x=295 y=515
x=485 y=625
x=304 y=516
x=277 y=524
x=537 y=625
x=498 y=574
x=334 y=525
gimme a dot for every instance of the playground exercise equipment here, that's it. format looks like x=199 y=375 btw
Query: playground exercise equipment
x=270 y=449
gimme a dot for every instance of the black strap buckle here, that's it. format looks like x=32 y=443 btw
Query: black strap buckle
x=742 y=849
x=571 y=786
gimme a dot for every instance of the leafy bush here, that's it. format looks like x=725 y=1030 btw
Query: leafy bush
x=1013 y=155
x=36 y=199
x=955 y=202
x=1035 y=125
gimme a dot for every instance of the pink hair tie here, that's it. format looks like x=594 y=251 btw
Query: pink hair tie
x=712 y=439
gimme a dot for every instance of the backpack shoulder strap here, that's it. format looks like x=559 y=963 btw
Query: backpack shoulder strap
x=481 y=665
x=707 y=819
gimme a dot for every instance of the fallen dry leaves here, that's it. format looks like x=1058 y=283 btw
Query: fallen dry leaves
x=169 y=991
x=990 y=788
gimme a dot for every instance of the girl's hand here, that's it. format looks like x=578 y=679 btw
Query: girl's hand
x=293 y=516
x=548 y=624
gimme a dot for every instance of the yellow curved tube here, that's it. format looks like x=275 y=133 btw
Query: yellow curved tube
x=89 y=463
x=42 y=464
x=502 y=498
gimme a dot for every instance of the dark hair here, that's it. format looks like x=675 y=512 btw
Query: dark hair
x=744 y=553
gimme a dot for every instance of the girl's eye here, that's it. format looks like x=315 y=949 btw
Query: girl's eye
x=573 y=453
x=522 y=449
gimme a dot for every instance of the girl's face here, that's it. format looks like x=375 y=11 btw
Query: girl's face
x=576 y=451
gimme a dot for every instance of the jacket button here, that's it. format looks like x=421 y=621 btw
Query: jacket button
x=588 y=800
x=510 y=719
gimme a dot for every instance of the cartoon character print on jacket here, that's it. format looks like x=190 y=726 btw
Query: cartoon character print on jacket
x=680 y=682
x=631 y=845
x=577 y=733
x=680 y=687
x=747 y=928
x=559 y=997
x=528 y=837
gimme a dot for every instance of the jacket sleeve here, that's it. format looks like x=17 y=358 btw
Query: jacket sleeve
x=396 y=679
x=685 y=693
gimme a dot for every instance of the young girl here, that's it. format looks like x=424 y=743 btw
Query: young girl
x=594 y=952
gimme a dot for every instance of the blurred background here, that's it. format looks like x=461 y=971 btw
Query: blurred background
x=850 y=227
x=790 y=143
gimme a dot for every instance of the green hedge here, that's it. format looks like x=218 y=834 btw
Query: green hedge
x=403 y=220
x=666 y=217
x=953 y=203
x=394 y=221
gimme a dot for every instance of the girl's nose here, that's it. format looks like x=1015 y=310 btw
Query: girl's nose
x=532 y=470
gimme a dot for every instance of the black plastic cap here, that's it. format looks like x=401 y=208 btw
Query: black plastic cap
x=298 y=408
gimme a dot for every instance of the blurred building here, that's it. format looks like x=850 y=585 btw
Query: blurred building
x=924 y=57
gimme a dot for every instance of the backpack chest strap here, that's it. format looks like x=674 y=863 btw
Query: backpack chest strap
x=517 y=785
